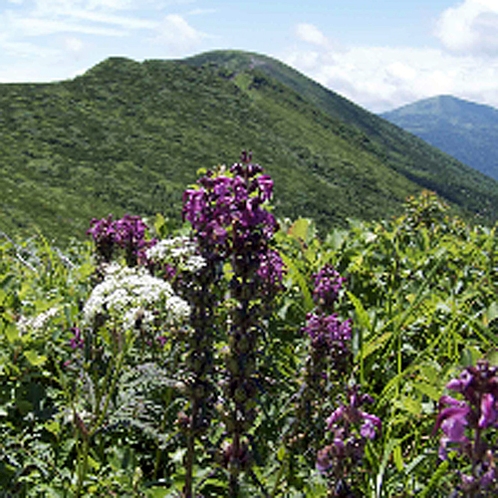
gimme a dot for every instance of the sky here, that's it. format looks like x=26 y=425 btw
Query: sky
x=381 y=54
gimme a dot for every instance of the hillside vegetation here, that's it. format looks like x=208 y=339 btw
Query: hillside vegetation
x=127 y=137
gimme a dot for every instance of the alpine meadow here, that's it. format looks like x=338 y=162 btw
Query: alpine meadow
x=220 y=279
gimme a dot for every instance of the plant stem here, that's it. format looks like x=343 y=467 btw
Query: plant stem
x=190 y=456
x=82 y=466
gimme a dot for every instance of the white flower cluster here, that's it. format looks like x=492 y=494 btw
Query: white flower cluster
x=126 y=293
x=36 y=323
x=179 y=252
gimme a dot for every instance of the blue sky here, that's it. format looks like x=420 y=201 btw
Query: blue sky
x=380 y=54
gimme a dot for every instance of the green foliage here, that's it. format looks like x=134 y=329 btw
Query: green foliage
x=104 y=420
x=127 y=137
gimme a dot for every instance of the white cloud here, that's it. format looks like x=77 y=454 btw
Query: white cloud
x=381 y=78
x=311 y=34
x=470 y=27
x=177 y=34
x=73 y=45
x=105 y=18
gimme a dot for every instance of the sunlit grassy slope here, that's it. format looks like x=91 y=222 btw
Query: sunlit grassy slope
x=129 y=136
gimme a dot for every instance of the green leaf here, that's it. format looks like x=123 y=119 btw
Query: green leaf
x=428 y=389
x=398 y=458
x=53 y=427
x=362 y=318
x=302 y=229
x=34 y=358
x=374 y=344
x=491 y=313
x=11 y=332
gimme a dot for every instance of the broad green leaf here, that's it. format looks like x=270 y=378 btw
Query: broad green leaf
x=301 y=229
x=429 y=390
x=398 y=458
x=34 y=358
x=11 y=332
x=490 y=314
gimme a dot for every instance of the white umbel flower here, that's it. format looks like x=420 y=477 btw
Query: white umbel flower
x=179 y=252
x=38 y=322
x=124 y=291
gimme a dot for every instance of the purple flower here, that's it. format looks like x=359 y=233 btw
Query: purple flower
x=265 y=184
x=488 y=411
x=328 y=331
x=77 y=341
x=466 y=423
x=351 y=428
x=453 y=421
x=227 y=212
x=328 y=282
x=371 y=424
x=336 y=416
x=127 y=233
x=271 y=268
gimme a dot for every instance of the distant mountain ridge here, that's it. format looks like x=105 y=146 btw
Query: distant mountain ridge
x=465 y=130
x=129 y=137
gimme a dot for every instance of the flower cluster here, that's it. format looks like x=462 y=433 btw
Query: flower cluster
x=329 y=335
x=466 y=422
x=328 y=332
x=226 y=211
x=231 y=223
x=127 y=233
x=351 y=427
x=327 y=285
x=175 y=255
x=271 y=271
x=127 y=293
x=36 y=323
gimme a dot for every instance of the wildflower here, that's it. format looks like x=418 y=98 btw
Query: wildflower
x=328 y=282
x=126 y=290
x=351 y=428
x=466 y=423
x=36 y=323
x=77 y=341
x=328 y=331
x=127 y=233
x=175 y=254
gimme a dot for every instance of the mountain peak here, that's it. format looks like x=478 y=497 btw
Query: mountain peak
x=463 y=129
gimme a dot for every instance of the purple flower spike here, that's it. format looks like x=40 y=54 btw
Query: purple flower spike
x=127 y=233
x=351 y=428
x=328 y=283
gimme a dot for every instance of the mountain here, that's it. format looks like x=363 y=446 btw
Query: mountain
x=463 y=129
x=129 y=137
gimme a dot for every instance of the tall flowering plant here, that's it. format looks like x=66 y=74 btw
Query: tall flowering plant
x=328 y=368
x=468 y=425
x=232 y=225
x=328 y=360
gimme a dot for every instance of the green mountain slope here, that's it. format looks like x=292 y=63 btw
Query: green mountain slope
x=399 y=150
x=130 y=136
x=463 y=129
